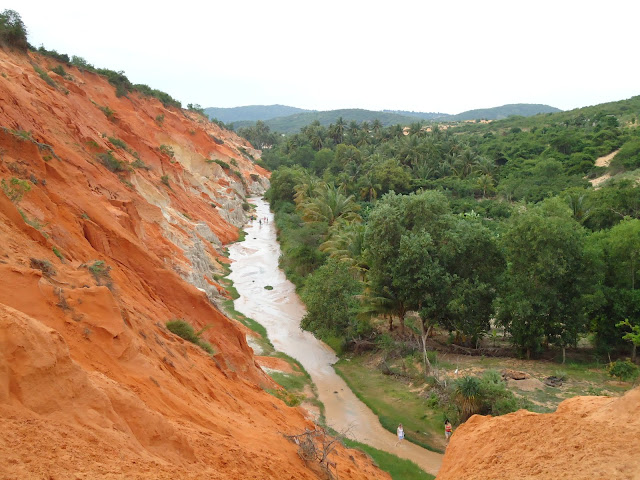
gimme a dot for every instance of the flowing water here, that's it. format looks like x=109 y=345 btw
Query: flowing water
x=254 y=266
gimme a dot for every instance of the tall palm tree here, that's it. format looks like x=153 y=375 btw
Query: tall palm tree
x=330 y=204
x=485 y=183
x=346 y=244
x=376 y=127
x=308 y=187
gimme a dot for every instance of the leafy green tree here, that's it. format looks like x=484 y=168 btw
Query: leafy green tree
x=283 y=183
x=330 y=296
x=546 y=278
x=620 y=297
x=12 y=30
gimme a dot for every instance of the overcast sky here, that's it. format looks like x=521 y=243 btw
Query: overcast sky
x=446 y=56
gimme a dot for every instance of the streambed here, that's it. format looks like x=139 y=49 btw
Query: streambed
x=279 y=310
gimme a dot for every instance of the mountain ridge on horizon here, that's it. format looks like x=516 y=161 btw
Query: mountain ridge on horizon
x=277 y=118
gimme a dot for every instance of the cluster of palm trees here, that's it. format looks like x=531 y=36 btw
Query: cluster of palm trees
x=365 y=154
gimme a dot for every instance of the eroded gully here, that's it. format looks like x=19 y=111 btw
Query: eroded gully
x=254 y=266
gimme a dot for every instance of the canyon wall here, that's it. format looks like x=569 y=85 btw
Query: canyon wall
x=113 y=216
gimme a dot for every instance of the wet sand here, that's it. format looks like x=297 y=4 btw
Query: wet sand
x=254 y=266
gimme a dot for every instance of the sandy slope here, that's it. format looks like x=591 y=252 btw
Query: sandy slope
x=92 y=384
x=586 y=438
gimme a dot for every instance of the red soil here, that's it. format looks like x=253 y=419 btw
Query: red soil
x=586 y=438
x=92 y=385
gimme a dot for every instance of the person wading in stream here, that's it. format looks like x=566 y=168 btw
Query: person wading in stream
x=400 y=435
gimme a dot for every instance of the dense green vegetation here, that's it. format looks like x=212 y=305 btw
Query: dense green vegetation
x=465 y=230
x=13 y=32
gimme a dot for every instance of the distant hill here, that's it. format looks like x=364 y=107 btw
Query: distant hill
x=419 y=115
x=251 y=113
x=284 y=119
x=499 y=113
x=293 y=123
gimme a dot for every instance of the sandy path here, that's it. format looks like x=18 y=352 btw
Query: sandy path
x=255 y=265
x=606 y=160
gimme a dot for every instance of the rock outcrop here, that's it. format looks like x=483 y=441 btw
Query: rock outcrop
x=586 y=438
x=113 y=216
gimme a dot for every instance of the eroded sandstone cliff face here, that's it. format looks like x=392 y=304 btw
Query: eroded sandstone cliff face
x=112 y=218
x=586 y=438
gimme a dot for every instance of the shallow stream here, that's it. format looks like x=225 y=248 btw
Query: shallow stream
x=254 y=266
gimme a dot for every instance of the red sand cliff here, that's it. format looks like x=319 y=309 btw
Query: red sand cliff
x=587 y=438
x=92 y=385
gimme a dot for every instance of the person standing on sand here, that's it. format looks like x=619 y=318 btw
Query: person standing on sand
x=400 y=435
x=448 y=429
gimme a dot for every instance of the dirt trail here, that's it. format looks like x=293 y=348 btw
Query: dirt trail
x=604 y=161
x=255 y=266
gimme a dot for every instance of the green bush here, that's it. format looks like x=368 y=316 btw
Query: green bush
x=167 y=150
x=107 y=112
x=164 y=98
x=223 y=164
x=59 y=70
x=116 y=142
x=15 y=188
x=137 y=163
x=111 y=162
x=487 y=395
x=12 y=30
x=625 y=370
x=186 y=331
x=165 y=179
x=44 y=75
x=81 y=64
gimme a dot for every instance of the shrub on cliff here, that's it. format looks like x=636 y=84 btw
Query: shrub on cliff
x=186 y=331
x=12 y=30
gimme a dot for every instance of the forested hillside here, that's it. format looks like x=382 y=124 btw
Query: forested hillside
x=251 y=113
x=500 y=113
x=293 y=123
x=459 y=224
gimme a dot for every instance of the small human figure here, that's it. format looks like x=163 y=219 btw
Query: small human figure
x=400 y=435
x=448 y=429
x=260 y=222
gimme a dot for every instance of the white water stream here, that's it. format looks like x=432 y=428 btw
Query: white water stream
x=254 y=266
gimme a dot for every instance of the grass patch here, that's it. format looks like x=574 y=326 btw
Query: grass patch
x=116 y=142
x=186 y=331
x=393 y=403
x=268 y=287
x=57 y=253
x=398 y=468
x=44 y=75
x=107 y=112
